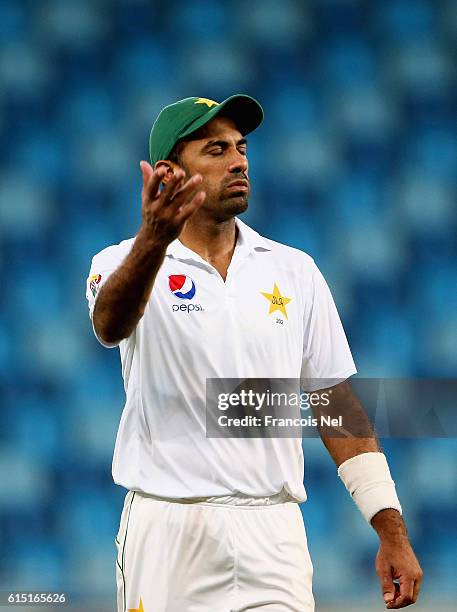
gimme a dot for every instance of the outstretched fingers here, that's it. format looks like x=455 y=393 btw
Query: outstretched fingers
x=151 y=180
x=183 y=194
x=169 y=208
x=186 y=210
x=170 y=188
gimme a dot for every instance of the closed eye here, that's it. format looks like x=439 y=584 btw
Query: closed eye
x=220 y=150
x=217 y=147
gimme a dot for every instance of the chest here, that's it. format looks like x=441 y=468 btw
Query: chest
x=257 y=309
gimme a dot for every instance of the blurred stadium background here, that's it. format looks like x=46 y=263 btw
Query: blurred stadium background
x=356 y=164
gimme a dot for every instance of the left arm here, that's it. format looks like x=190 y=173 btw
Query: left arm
x=367 y=478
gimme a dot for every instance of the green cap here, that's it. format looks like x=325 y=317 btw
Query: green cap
x=180 y=119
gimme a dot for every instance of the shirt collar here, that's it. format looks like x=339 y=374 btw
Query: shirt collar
x=247 y=239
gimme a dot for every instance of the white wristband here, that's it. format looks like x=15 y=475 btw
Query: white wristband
x=368 y=480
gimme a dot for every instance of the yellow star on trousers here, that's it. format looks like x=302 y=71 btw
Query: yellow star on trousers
x=277 y=301
x=140 y=609
x=206 y=101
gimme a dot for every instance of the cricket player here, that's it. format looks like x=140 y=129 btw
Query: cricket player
x=213 y=524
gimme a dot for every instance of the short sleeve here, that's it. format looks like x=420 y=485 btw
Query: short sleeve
x=327 y=358
x=103 y=265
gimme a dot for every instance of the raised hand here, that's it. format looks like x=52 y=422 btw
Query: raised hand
x=165 y=212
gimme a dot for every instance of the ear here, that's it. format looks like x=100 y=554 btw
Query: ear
x=170 y=166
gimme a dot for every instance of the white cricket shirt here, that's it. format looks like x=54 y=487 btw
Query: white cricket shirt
x=196 y=326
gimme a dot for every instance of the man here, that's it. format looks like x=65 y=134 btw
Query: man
x=213 y=524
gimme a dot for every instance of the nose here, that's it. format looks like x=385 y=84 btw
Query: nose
x=238 y=163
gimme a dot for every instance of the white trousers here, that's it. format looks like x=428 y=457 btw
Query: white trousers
x=211 y=557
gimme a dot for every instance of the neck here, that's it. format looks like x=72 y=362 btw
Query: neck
x=211 y=239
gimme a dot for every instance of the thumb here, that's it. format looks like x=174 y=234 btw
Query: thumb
x=388 y=597
x=387 y=585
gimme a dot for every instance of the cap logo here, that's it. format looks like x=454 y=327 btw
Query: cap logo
x=206 y=101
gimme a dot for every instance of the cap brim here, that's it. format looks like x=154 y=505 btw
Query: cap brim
x=245 y=111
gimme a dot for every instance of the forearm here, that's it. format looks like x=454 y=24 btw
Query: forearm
x=353 y=446
x=122 y=299
x=342 y=449
x=356 y=436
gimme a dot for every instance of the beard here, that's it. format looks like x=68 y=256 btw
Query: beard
x=223 y=205
x=235 y=204
x=229 y=203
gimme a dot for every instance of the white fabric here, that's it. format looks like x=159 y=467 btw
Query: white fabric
x=232 y=500
x=368 y=480
x=224 y=331
x=200 y=557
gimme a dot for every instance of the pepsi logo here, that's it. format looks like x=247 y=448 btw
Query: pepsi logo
x=181 y=286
